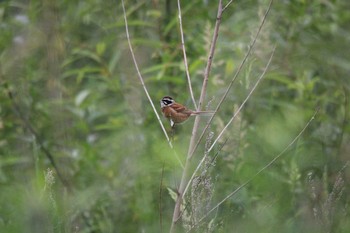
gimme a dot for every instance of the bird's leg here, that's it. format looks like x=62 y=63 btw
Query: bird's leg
x=172 y=132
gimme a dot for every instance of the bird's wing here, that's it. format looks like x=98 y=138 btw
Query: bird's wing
x=179 y=108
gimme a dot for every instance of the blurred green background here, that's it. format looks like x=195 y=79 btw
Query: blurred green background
x=70 y=72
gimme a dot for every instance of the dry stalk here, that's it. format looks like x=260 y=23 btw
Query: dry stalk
x=262 y=169
x=144 y=86
x=230 y=121
x=183 y=182
x=245 y=101
x=251 y=46
x=185 y=56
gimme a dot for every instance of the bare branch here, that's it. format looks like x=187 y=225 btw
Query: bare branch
x=206 y=77
x=210 y=56
x=262 y=169
x=246 y=99
x=144 y=86
x=185 y=56
x=227 y=5
x=141 y=78
x=177 y=212
x=233 y=117
x=251 y=46
x=199 y=166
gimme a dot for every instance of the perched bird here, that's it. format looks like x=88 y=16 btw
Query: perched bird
x=175 y=112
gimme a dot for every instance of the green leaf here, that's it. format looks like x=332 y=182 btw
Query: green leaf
x=81 y=97
x=172 y=194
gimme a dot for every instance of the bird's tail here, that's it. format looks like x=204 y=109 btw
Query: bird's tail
x=206 y=113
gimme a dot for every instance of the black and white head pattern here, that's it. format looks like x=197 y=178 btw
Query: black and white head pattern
x=166 y=101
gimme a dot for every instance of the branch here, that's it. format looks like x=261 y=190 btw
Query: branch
x=227 y=5
x=210 y=57
x=185 y=56
x=140 y=76
x=233 y=117
x=200 y=164
x=144 y=86
x=177 y=212
x=251 y=46
x=246 y=99
x=262 y=169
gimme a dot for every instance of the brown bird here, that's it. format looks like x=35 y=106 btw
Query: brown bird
x=175 y=112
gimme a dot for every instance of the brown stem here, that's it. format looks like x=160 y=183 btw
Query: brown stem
x=185 y=56
x=261 y=170
x=140 y=76
x=251 y=46
x=230 y=121
x=177 y=211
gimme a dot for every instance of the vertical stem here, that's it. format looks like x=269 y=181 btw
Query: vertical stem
x=185 y=56
x=140 y=76
x=184 y=178
x=251 y=46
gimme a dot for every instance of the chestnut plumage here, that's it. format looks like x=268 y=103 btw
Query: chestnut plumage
x=175 y=112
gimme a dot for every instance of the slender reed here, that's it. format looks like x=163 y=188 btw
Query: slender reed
x=144 y=86
x=251 y=46
x=230 y=121
x=262 y=169
x=140 y=76
x=185 y=56
x=245 y=101
x=183 y=182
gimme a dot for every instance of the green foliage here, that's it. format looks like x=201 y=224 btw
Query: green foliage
x=76 y=94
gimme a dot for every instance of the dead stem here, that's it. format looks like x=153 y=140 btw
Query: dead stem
x=262 y=169
x=183 y=182
x=185 y=56
x=144 y=86
x=251 y=46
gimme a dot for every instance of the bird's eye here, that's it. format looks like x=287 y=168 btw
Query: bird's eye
x=167 y=102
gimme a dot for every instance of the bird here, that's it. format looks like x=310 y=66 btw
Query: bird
x=177 y=113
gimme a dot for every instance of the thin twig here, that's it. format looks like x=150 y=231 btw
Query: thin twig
x=183 y=182
x=205 y=169
x=185 y=56
x=246 y=99
x=140 y=76
x=233 y=117
x=199 y=166
x=210 y=56
x=205 y=81
x=144 y=86
x=227 y=5
x=251 y=46
x=262 y=169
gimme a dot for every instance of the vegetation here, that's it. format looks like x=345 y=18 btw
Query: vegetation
x=81 y=149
